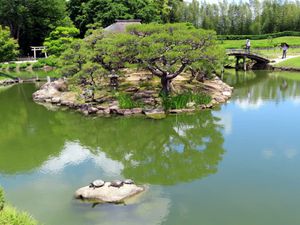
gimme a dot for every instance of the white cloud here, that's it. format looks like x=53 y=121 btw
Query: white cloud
x=225 y=121
x=75 y=154
x=246 y=104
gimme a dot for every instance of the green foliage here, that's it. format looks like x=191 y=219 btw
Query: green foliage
x=2 y=201
x=243 y=17
x=125 y=101
x=4 y=66
x=290 y=63
x=37 y=65
x=181 y=101
x=10 y=216
x=23 y=66
x=263 y=43
x=114 y=50
x=259 y=36
x=50 y=61
x=96 y=55
x=168 y=47
x=201 y=98
x=105 y=12
x=59 y=39
x=166 y=50
x=8 y=46
x=12 y=66
x=31 y=21
x=74 y=57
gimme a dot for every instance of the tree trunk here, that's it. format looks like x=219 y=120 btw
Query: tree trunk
x=165 y=83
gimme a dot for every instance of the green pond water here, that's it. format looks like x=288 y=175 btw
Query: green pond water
x=238 y=164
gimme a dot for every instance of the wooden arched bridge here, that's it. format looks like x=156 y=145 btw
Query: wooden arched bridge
x=260 y=61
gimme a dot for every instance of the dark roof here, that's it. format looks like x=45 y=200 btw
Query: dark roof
x=120 y=26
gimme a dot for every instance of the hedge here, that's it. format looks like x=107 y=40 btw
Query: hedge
x=259 y=36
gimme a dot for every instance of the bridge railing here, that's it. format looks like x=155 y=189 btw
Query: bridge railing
x=245 y=51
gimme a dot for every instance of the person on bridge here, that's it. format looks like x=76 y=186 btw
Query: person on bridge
x=248 y=45
x=284 y=50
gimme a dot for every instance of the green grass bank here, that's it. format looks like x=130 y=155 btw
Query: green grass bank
x=11 y=216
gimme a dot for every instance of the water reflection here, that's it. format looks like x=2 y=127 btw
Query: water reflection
x=155 y=152
x=253 y=88
x=73 y=154
x=45 y=156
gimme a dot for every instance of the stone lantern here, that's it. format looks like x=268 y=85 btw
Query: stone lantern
x=114 y=83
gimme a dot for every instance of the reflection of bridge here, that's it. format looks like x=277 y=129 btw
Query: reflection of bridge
x=261 y=61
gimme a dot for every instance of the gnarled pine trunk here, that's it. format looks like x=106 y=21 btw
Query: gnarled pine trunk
x=166 y=85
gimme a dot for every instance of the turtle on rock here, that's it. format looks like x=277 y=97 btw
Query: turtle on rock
x=116 y=183
x=97 y=184
x=128 y=181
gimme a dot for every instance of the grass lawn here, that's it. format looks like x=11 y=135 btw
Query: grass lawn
x=292 y=63
x=264 y=43
x=271 y=52
x=275 y=53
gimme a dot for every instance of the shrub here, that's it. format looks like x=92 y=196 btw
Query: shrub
x=259 y=36
x=1 y=199
x=12 y=66
x=23 y=66
x=125 y=101
x=181 y=101
x=37 y=65
x=8 y=46
x=4 y=66
x=201 y=98
x=50 y=61
x=9 y=215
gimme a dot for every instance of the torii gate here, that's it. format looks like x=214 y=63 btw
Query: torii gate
x=38 y=48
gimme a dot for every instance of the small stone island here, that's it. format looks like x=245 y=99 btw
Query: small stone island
x=109 y=192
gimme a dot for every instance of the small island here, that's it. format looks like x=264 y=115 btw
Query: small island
x=149 y=69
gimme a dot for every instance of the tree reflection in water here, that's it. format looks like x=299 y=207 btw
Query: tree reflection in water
x=177 y=149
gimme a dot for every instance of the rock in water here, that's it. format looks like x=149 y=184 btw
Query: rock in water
x=108 y=193
x=155 y=114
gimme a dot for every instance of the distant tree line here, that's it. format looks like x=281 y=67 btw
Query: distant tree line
x=30 y=22
x=243 y=17
x=226 y=17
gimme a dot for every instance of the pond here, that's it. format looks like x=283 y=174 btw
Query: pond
x=236 y=164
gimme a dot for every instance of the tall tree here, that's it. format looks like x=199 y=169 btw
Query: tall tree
x=167 y=50
x=31 y=21
x=105 y=12
x=8 y=46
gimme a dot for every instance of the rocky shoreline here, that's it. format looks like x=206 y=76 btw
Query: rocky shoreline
x=282 y=68
x=56 y=93
x=8 y=82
